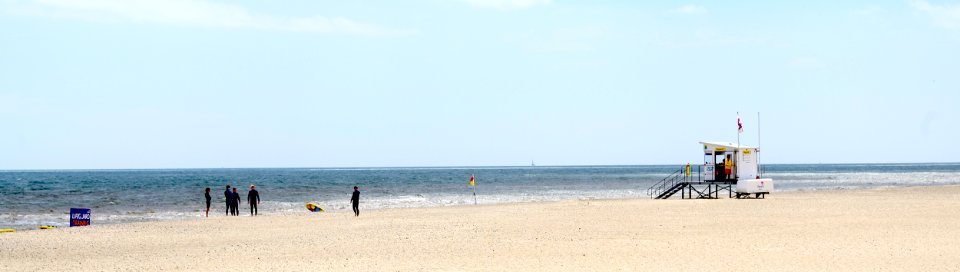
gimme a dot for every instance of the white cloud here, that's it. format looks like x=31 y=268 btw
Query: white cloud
x=944 y=15
x=193 y=13
x=507 y=4
x=691 y=10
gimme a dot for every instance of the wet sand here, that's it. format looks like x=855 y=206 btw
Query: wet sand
x=898 y=229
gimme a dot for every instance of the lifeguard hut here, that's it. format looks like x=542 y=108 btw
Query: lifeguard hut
x=729 y=167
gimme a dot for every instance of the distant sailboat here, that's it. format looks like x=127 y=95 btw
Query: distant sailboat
x=532 y=164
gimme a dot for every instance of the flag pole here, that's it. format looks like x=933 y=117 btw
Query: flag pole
x=738 y=130
x=759 y=167
x=474 y=176
x=736 y=151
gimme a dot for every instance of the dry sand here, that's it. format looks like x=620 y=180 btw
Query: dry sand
x=899 y=229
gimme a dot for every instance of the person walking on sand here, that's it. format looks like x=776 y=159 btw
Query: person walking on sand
x=228 y=199
x=356 y=200
x=253 y=197
x=206 y=194
x=236 y=202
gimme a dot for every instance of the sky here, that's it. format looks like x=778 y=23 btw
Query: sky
x=116 y=84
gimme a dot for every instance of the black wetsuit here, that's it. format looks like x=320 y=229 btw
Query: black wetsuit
x=356 y=202
x=227 y=195
x=236 y=203
x=721 y=175
x=207 y=196
x=253 y=198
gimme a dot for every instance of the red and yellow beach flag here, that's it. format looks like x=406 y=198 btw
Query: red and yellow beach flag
x=471 y=180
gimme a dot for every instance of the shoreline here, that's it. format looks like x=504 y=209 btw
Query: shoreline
x=215 y=210
x=640 y=198
x=898 y=228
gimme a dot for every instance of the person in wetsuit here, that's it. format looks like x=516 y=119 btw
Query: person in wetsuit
x=236 y=203
x=355 y=199
x=206 y=194
x=253 y=197
x=720 y=170
x=227 y=196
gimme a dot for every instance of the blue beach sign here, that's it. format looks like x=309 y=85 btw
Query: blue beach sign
x=79 y=217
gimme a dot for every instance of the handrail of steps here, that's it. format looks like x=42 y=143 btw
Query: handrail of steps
x=675 y=177
x=667 y=182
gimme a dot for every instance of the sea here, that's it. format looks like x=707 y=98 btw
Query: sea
x=29 y=199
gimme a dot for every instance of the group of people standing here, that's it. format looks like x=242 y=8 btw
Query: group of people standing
x=253 y=198
x=232 y=198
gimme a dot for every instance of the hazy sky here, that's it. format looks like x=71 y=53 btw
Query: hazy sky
x=178 y=83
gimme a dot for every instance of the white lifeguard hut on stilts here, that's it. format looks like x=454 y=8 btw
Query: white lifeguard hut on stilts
x=731 y=163
x=729 y=167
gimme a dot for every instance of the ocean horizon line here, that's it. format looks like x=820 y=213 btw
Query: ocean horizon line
x=445 y=167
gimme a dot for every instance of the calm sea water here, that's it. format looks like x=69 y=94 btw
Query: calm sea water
x=32 y=198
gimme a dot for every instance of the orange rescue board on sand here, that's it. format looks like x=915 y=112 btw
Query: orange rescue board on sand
x=313 y=207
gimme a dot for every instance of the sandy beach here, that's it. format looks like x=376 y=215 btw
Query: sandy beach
x=898 y=229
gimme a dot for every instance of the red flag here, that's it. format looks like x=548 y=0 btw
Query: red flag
x=739 y=125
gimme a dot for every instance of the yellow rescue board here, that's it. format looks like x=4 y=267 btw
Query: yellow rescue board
x=313 y=207
x=7 y=230
x=48 y=227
